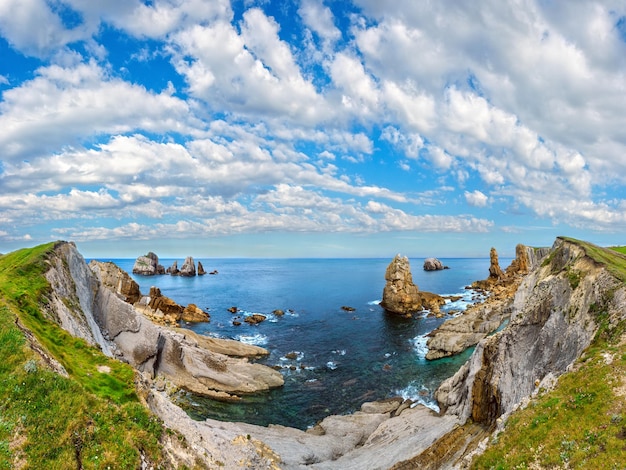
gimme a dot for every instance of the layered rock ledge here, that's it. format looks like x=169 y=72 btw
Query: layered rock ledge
x=92 y=302
x=479 y=320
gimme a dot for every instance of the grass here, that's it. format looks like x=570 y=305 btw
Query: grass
x=581 y=423
x=614 y=259
x=619 y=249
x=92 y=420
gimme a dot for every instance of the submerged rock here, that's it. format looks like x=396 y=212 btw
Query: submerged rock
x=255 y=318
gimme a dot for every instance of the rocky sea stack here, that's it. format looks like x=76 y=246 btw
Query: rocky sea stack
x=401 y=296
x=433 y=264
x=148 y=265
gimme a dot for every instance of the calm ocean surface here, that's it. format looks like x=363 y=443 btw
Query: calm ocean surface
x=342 y=358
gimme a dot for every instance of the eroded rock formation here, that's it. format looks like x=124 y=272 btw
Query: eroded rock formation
x=401 y=295
x=554 y=316
x=201 y=271
x=88 y=303
x=553 y=320
x=479 y=320
x=188 y=269
x=148 y=265
x=433 y=264
x=173 y=269
x=495 y=272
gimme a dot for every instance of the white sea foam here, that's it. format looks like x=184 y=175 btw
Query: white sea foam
x=418 y=394
x=419 y=345
x=299 y=356
x=374 y=302
x=340 y=352
x=331 y=365
x=256 y=340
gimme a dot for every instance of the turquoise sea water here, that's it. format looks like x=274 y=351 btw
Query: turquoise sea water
x=342 y=359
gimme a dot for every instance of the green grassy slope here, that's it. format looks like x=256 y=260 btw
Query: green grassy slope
x=581 y=423
x=93 y=420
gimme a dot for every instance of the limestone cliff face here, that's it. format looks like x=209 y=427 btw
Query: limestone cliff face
x=88 y=303
x=553 y=319
x=479 y=320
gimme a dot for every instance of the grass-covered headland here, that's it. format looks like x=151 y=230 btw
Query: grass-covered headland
x=581 y=423
x=91 y=420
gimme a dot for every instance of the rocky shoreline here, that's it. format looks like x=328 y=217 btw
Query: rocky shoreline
x=550 y=296
x=482 y=319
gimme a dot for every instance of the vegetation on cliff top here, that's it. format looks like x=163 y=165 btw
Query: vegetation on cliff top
x=93 y=419
x=581 y=423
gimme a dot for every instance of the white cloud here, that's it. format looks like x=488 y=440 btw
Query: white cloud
x=267 y=128
x=62 y=106
x=32 y=27
x=476 y=198
x=319 y=19
x=251 y=74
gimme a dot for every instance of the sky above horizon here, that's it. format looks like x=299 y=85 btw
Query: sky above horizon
x=311 y=128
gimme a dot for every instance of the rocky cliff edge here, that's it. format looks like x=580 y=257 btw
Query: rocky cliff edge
x=92 y=304
x=554 y=317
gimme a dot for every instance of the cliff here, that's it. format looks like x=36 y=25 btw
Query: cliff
x=554 y=318
x=479 y=320
x=90 y=302
x=558 y=309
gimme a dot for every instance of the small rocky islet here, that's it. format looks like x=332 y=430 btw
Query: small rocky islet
x=148 y=265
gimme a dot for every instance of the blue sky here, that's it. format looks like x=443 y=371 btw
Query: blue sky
x=311 y=128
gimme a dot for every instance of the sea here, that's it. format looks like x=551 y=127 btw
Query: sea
x=333 y=359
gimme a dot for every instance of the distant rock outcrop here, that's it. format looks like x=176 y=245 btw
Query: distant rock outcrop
x=148 y=265
x=201 y=271
x=173 y=269
x=433 y=264
x=188 y=268
x=401 y=295
x=495 y=272
x=479 y=320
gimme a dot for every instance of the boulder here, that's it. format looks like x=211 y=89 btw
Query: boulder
x=385 y=406
x=173 y=269
x=188 y=268
x=161 y=309
x=148 y=265
x=255 y=318
x=193 y=313
x=433 y=264
x=201 y=271
x=400 y=294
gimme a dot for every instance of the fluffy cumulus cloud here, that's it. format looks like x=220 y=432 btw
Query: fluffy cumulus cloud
x=173 y=118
